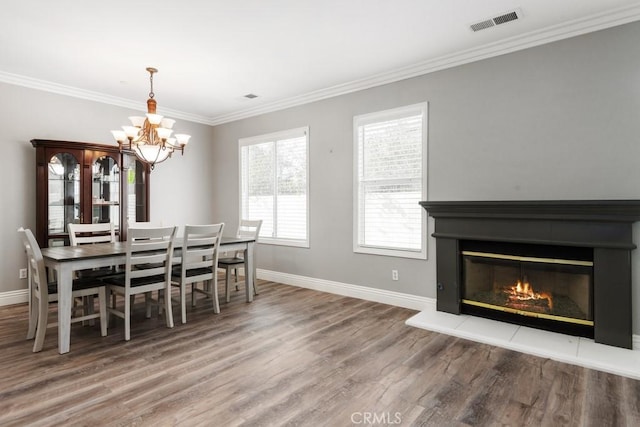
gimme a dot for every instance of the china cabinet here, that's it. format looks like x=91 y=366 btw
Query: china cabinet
x=87 y=183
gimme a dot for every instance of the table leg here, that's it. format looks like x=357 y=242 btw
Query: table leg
x=65 y=283
x=248 y=271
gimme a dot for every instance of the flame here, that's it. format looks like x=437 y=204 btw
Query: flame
x=523 y=291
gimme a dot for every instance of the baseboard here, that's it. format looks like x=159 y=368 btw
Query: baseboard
x=14 y=297
x=362 y=292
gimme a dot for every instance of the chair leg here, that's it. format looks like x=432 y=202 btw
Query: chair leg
x=147 y=304
x=33 y=317
x=214 y=294
x=167 y=304
x=159 y=301
x=114 y=305
x=227 y=279
x=104 y=316
x=183 y=302
x=193 y=294
x=88 y=307
x=41 y=329
x=255 y=282
x=235 y=274
x=127 y=318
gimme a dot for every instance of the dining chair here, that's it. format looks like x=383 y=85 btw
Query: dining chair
x=199 y=258
x=81 y=234
x=42 y=293
x=147 y=268
x=86 y=234
x=231 y=262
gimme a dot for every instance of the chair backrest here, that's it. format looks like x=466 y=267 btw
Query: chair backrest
x=80 y=234
x=249 y=228
x=144 y=224
x=37 y=272
x=149 y=252
x=200 y=247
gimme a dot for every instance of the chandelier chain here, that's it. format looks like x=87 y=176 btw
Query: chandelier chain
x=151 y=71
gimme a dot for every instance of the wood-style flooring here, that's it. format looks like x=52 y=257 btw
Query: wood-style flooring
x=293 y=357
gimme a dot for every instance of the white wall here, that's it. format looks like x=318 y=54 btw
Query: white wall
x=180 y=187
x=558 y=121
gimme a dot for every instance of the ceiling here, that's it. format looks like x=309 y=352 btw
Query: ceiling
x=210 y=53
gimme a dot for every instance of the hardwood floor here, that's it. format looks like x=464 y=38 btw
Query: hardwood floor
x=293 y=357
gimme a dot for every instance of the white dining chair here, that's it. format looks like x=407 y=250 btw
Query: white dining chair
x=199 y=258
x=87 y=234
x=42 y=293
x=232 y=262
x=82 y=234
x=147 y=268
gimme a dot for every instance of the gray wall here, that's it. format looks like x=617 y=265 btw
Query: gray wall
x=553 y=122
x=180 y=187
x=558 y=121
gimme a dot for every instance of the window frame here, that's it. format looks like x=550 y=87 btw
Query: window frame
x=382 y=116
x=274 y=137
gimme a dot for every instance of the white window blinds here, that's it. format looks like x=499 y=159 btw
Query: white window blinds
x=274 y=185
x=389 y=181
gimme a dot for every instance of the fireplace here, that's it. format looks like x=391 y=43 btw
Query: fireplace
x=563 y=266
x=548 y=287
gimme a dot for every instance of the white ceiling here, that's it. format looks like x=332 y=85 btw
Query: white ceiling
x=210 y=53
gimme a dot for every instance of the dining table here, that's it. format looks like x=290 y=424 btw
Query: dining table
x=67 y=259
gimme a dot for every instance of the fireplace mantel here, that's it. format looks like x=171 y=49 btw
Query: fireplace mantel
x=604 y=225
x=578 y=210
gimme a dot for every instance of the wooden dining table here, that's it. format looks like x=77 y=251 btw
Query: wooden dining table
x=67 y=259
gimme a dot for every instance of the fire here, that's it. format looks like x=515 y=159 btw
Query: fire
x=523 y=291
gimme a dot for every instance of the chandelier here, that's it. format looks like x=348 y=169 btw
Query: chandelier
x=149 y=137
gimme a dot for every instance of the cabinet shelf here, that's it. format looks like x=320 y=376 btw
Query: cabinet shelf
x=60 y=203
x=105 y=204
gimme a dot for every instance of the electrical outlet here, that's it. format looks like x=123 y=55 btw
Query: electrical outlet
x=394 y=274
x=23 y=273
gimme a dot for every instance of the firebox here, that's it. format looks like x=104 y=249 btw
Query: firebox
x=547 y=287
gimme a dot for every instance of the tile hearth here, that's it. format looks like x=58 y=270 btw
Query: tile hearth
x=563 y=348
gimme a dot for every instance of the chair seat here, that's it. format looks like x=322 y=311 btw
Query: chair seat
x=98 y=273
x=230 y=261
x=78 y=285
x=119 y=280
x=177 y=271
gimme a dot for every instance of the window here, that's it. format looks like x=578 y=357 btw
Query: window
x=274 y=185
x=390 y=172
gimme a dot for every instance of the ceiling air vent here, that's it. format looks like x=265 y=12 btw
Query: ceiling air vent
x=497 y=20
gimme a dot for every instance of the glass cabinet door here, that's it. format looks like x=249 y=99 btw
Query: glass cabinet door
x=105 y=192
x=136 y=191
x=63 y=195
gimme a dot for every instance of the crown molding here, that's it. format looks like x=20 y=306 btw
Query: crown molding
x=546 y=35
x=47 y=86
